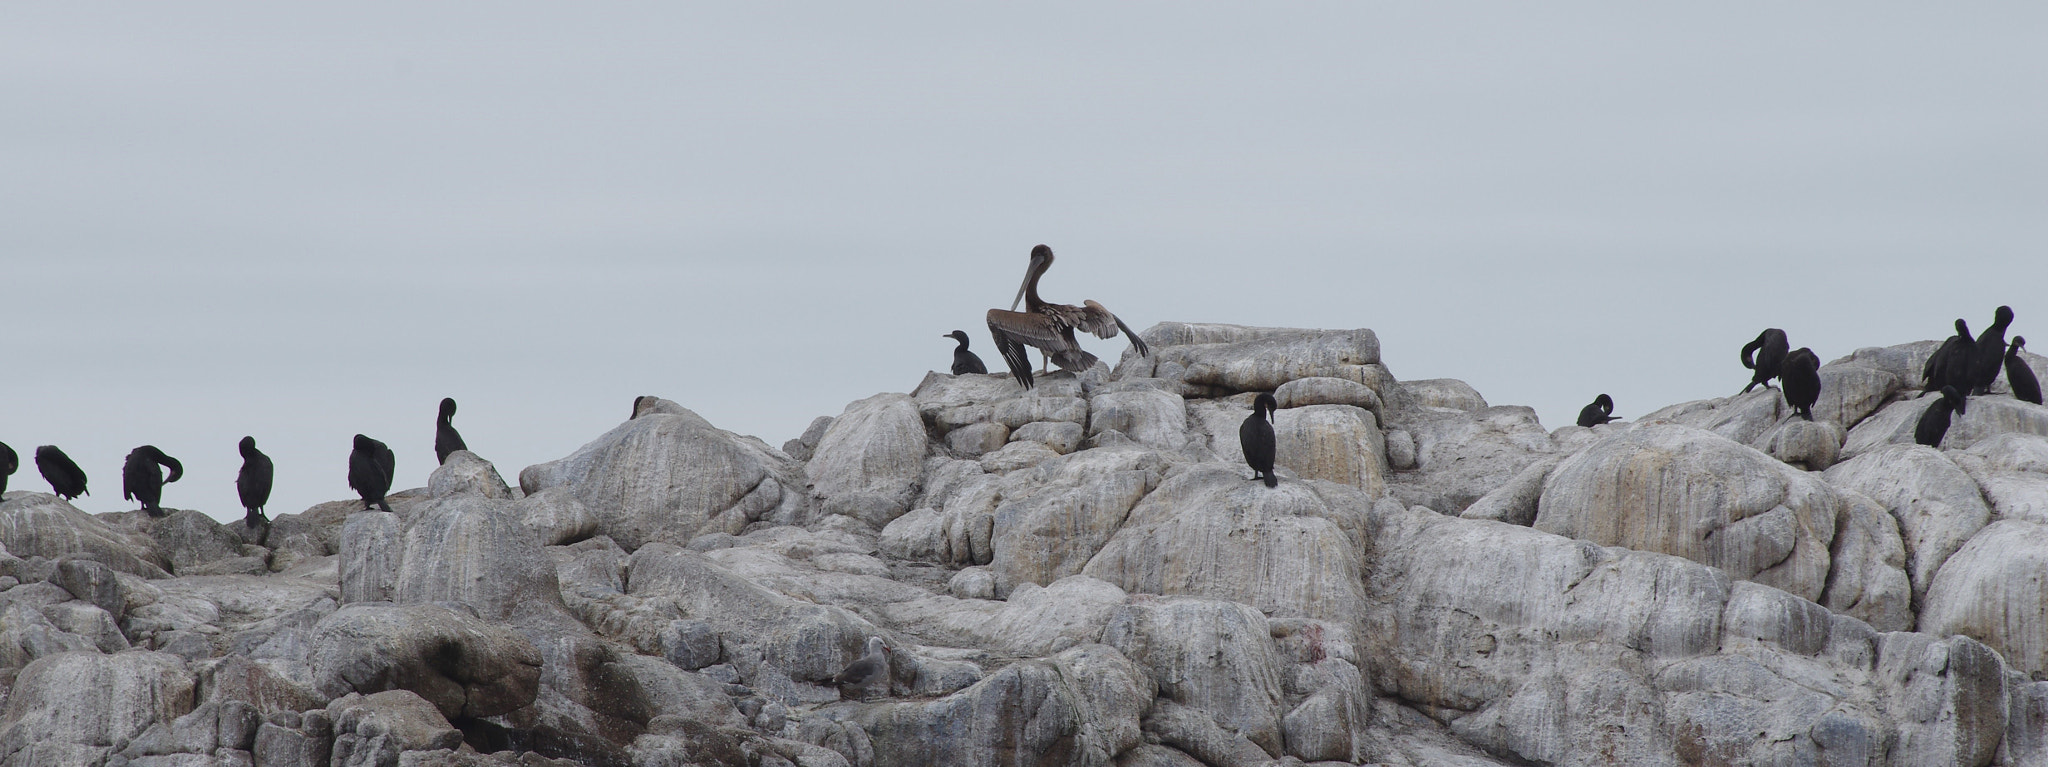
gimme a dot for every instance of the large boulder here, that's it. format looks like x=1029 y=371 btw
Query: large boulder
x=1210 y=655
x=1297 y=550
x=464 y=666
x=477 y=551
x=43 y=525
x=1080 y=707
x=868 y=464
x=1065 y=509
x=1937 y=504
x=1206 y=359
x=669 y=475
x=1461 y=455
x=1992 y=590
x=72 y=708
x=1148 y=415
x=1687 y=492
x=1338 y=443
x=1868 y=577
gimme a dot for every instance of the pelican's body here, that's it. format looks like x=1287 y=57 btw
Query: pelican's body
x=1602 y=409
x=63 y=474
x=1799 y=380
x=1050 y=327
x=1255 y=435
x=370 y=466
x=2025 y=387
x=253 y=485
x=142 y=477
x=964 y=361
x=1769 y=348
x=446 y=438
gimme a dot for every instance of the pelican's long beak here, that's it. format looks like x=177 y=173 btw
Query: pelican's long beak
x=1020 y=293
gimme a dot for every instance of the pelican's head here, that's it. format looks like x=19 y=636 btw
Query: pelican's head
x=1041 y=260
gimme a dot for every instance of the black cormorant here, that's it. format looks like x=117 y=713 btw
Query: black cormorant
x=66 y=479
x=1934 y=420
x=446 y=438
x=964 y=361
x=1602 y=409
x=2025 y=387
x=1950 y=363
x=1799 y=379
x=1255 y=435
x=1770 y=348
x=142 y=477
x=8 y=463
x=370 y=466
x=253 y=485
x=1984 y=362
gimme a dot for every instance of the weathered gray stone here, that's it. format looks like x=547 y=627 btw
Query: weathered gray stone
x=1991 y=590
x=670 y=476
x=462 y=665
x=470 y=549
x=1338 y=443
x=1062 y=436
x=92 y=700
x=372 y=730
x=372 y=548
x=1321 y=390
x=1515 y=501
x=466 y=474
x=1210 y=655
x=1868 y=576
x=93 y=582
x=42 y=525
x=1686 y=492
x=1444 y=393
x=1151 y=417
x=557 y=517
x=1849 y=393
x=1809 y=445
x=1208 y=359
x=975 y=439
x=1074 y=504
x=184 y=538
x=870 y=460
x=1461 y=455
x=1937 y=505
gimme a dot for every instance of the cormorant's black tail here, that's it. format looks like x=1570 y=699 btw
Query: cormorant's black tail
x=1272 y=480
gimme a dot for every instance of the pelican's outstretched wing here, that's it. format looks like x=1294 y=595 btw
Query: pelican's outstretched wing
x=1096 y=318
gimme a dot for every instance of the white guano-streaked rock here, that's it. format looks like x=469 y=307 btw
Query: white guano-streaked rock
x=1937 y=504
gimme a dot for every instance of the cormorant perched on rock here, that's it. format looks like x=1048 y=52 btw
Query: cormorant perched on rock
x=253 y=485
x=1602 y=409
x=1950 y=363
x=370 y=466
x=1984 y=362
x=66 y=479
x=1770 y=348
x=8 y=463
x=1799 y=379
x=142 y=477
x=1255 y=435
x=2025 y=387
x=861 y=677
x=446 y=438
x=964 y=361
x=1934 y=420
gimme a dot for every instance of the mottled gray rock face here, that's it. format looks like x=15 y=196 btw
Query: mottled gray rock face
x=1683 y=491
x=42 y=525
x=1084 y=574
x=669 y=475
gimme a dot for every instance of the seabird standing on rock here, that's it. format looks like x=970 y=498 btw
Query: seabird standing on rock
x=64 y=476
x=9 y=461
x=2025 y=387
x=1602 y=409
x=253 y=485
x=964 y=361
x=1934 y=420
x=1255 y=435
x=370 y=466
x=1950 y=363
x=446 y=438
x=142 y=477
x=1984 y=362
x=1770 y=348
x=1050 y=327
x=860 y=678
x=1799 y=380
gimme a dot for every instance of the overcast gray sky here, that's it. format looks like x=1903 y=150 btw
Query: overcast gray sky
x=302 y=223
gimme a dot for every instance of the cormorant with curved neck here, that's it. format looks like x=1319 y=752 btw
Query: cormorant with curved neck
x=1934 y=420
x=1985 y=361
x=370 y=466
x=253 y=485
x=964 y=361
x=1799 y=380
x=2025 y=386
x=1050 y=327
x=1950 y=363
x=1255 y=435
x=9 y=461
x=142 y=477
x=446 y=438
x=1770 y=348
x=1602 y=410
x=64 y=476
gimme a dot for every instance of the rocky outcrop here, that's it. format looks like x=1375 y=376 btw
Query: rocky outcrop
x=1084 y=574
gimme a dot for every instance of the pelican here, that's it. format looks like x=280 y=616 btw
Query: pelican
x=1050 y=327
